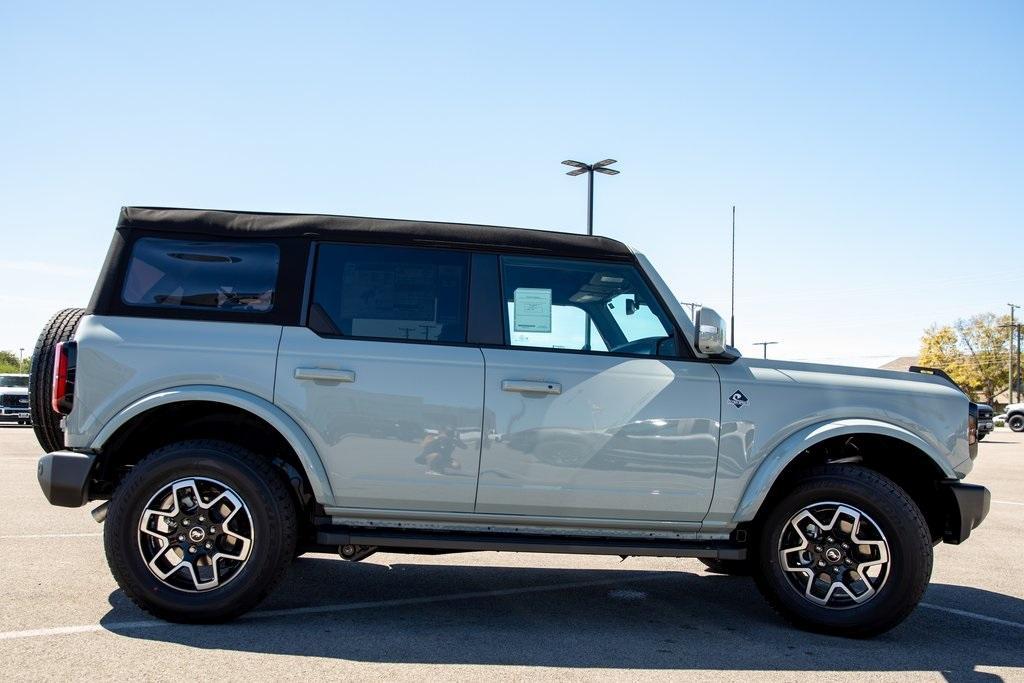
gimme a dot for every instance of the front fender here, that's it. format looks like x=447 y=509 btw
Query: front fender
x=259 y=407
x=786 y=451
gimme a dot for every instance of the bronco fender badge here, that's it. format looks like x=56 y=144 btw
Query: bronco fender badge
x=738 y=399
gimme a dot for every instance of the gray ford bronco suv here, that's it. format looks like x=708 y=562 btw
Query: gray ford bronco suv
x=246 y=387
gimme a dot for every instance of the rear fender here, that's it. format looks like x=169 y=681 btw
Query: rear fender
x=274 y=416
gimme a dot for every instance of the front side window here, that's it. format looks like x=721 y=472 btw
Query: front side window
x=582 y=306
x=390 y=293
x=225 y=276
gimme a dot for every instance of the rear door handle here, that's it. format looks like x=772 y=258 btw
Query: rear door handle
x=325 y=374
x=528 y=387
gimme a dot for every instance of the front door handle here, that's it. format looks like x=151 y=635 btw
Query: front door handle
x=528 y=387
x=325 y=374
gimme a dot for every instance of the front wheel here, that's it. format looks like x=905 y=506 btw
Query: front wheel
x=1016 y=423
x=200 y=531
x=846 y=552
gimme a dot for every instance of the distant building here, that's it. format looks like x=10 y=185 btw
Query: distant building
x=902 y=363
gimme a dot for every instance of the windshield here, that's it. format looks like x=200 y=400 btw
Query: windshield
x=13 y=381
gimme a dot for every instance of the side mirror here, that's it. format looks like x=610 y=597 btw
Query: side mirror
x=710 y=332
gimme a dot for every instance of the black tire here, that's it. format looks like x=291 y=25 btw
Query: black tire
x=895 y=515
x=273 y=530
x=728 y=567
x=1015 y=423
x=46 y=423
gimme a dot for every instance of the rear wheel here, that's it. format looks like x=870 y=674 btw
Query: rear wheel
x=1016 y=423
x=200 y=531
x=847 y=552
x=46 y=423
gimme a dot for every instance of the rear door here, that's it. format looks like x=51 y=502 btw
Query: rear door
x=381 y=379
x=595 y=414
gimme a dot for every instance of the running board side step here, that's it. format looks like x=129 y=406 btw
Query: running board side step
x=384 y=540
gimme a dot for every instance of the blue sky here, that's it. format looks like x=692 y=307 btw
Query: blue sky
x=875 y=154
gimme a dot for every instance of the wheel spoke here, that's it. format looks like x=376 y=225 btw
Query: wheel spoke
x=151 y=522
x=167 y=554
x=187 y=492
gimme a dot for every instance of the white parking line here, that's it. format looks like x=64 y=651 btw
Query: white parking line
x=400 y=602
x=20 y=536
x=1007 y=502
x=328 y=609
x=972 y=615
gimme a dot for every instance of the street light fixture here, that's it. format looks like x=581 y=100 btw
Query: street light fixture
x=579 y=168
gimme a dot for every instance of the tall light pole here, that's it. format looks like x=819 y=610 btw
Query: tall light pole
x=579 y=168
x=765 y=345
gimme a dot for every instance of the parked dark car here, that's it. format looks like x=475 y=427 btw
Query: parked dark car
x=986 y=421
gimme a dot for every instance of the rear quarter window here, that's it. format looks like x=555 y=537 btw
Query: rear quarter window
x=185 y=274
x=385 y=292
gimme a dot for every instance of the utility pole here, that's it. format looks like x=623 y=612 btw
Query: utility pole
x=21 y=355
x=732 y=304
x=1015 y=371
x=1009 y=385
x=765 y=345
x=693 y=307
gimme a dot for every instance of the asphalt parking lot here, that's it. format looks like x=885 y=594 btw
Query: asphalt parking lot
x=494 y=615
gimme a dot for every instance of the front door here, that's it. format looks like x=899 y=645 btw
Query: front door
x=594 y=413
x=380 y=380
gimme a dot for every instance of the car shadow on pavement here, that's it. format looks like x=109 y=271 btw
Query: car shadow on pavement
x=580 y=618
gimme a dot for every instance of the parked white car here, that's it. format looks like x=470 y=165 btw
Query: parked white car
x=1015 y=417
x=14 y=402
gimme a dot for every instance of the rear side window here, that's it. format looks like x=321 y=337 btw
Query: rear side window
x=390 y=293
x=224 y=276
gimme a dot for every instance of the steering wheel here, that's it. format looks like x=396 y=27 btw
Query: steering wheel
x=647 y=346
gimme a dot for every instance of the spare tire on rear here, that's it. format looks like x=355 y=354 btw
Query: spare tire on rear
x=45 y=421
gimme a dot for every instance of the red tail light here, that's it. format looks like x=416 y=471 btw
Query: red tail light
x=65 y=356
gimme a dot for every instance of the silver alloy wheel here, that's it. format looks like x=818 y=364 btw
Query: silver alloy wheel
x=834 y=555
x=195 y=534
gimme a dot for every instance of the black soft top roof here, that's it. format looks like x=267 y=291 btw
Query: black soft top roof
x=247 y=224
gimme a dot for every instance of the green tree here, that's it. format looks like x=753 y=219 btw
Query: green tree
x=972 y=351
x=9 y=362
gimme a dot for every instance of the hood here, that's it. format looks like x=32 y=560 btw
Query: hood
x=854 y=377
